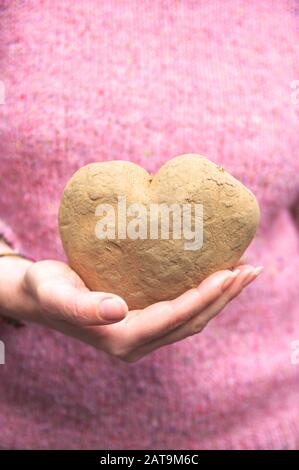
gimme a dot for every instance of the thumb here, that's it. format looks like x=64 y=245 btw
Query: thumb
x=68 y=303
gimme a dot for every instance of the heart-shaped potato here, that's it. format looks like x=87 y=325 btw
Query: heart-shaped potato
x=146 y=270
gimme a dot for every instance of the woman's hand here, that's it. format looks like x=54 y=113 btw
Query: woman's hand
x=52 y=294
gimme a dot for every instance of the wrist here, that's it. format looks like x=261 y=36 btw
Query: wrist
x=15 y=302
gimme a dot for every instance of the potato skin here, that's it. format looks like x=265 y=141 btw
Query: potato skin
x=144 y=271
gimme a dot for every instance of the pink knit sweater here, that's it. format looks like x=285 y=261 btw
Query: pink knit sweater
x=92 y=80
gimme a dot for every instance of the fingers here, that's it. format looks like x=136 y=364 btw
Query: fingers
x=162 y=317
x=65 y=302
x=196 y=324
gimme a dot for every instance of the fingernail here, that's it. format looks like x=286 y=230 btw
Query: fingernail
x=258 y=270
x=230 y=279
x=113 y=309
x=252 y=275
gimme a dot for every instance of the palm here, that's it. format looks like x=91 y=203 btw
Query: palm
x=69 y=306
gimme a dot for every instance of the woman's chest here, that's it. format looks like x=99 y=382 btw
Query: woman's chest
x=109 y=82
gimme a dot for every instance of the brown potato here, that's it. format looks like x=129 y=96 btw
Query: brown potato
x=146 y=270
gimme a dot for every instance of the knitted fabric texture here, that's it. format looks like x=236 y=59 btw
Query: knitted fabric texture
x=148 y=80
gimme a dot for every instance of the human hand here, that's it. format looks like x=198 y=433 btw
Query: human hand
x=52 y=294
